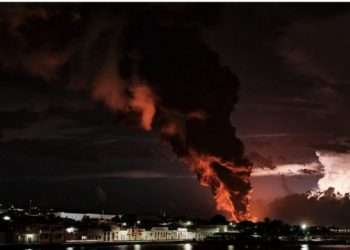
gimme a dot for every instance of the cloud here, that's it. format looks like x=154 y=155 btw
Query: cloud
x=266 y=135
x=260 y=161
x=336 y=171
x=329 y=201
x=122 y=174
x=319 y=63
x=39 y=55
x=313 y=168
x=45 y=129
x=298 y=208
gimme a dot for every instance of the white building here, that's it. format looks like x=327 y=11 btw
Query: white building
x=165 y=234
x=161 y=233
x=140 y=234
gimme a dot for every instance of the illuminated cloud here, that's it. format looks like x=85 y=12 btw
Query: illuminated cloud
x=336 y=171
x=313 y=168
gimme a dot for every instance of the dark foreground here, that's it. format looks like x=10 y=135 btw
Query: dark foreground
x=187 y=246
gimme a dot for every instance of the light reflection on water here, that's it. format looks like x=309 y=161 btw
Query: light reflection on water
x=304 y=247
x=195 y=246
x=230 y=247
x=335 y=246
x=187 y=246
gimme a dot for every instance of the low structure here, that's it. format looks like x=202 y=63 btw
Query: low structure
x=39 y=233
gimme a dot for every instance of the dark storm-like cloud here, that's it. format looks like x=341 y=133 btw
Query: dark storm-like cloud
x=328 y=202
x=38 y=55
x=67 y=137
x=63 y=136
x=272 y=84
x=58 y=148
x=52 y=159
x=298 y=208
x=320 y=63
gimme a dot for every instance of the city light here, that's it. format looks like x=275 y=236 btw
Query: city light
x=29 y=237
x=303 y=226
x=188 y=223
x=187 y=246
x=304 y=247
x=70 y=230
x=6 y=218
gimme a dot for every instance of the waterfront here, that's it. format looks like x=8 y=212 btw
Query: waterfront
x=196 y=246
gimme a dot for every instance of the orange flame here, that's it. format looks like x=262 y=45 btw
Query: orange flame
x=223 y=201
x=202 y=165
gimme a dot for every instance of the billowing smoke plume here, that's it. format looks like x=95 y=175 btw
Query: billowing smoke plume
x=150 y=66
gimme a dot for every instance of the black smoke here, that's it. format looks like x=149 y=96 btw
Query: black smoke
x=71 y=46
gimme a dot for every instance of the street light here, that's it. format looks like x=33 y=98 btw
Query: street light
x=6 y=218
x=188 y=223
x=303 y=226
x=70 y=230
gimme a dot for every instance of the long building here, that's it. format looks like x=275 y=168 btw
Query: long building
x=46 y=234
x=25 y=227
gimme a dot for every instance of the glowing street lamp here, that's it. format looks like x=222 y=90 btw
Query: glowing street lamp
x=6 y=218
x=71 y=230
x=303 y=226
x=188 y=223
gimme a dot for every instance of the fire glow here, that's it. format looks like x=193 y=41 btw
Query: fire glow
x=142 y=101
x=203 y=166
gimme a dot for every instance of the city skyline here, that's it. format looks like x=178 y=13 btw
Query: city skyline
x=190 y=108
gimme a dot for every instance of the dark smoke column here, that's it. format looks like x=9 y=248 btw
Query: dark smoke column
x=196 y=96
x=149 y=65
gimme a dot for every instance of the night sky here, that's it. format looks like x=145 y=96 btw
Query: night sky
x=70 y=141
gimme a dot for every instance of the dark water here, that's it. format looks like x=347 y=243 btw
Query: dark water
x=199 y=247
